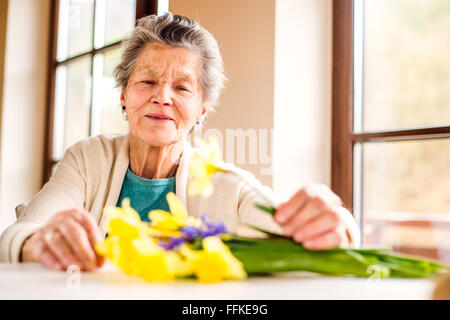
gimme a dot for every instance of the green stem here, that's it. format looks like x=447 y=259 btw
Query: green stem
x=282 y=254
x=269 y=209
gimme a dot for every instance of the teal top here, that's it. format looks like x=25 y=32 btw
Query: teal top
x=146 y=194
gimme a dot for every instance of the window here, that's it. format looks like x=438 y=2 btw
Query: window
x=85 y=48
x=391 y=121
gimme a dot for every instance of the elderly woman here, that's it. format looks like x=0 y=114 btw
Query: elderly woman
x=171 y=75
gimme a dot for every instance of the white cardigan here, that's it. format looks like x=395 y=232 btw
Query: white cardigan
x=91 y=174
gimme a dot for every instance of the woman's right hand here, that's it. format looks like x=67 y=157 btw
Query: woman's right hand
x=67 y=239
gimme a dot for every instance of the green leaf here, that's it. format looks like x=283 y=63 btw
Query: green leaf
x=269 y=209
x=282 y=254
x=268 y=233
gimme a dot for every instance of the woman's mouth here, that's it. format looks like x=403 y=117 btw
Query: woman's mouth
x=158 y=117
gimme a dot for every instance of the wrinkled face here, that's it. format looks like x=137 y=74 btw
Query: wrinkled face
x=163 y=97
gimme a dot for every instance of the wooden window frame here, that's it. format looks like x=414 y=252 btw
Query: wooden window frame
x=343 y=136
x=3 y=26
x=143 y=8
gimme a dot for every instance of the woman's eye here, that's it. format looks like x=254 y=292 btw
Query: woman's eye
x=182 y=88
x=149 y=82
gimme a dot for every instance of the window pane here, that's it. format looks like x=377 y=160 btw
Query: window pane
x=75 y=28
x=407 y=180
x=113 y=20
x=72 y=100
x=120 y=18
x=407 y=63
x=107 y=112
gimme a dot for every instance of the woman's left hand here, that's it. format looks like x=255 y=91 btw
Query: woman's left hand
x=311 y=217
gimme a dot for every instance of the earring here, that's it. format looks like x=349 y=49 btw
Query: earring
x=124 y=114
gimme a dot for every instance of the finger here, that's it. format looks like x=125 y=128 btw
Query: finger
x=58 y=247
x=328 y=240
x=77 y=238
x=315 y=191
x=92 y=229
x=312 y=209
x=48 y=259
x=89 y=225
x=321 y=224
x=285 y=211
x=41 y=254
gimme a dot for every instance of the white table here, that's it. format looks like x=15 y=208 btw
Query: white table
x=33 y=281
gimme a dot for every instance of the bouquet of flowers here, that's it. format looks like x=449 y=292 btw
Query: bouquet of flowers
x=174 y=244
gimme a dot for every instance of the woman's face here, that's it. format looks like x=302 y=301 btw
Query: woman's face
x=163 y=97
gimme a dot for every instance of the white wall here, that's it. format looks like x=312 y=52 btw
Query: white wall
x=23 y=119
x=302 y=105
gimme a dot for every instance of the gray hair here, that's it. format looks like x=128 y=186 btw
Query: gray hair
x=176 y=31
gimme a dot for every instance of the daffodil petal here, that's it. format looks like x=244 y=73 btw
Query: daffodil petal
x=126 y=206
x=200 y=186
x=203 y=167
x=124 y=227
x=188 y=253
x=156 y=216
x=161 y=232
x=194 y=222
x=146 y=246
x=176 y=207
x=235 y=268
x=163 y=219
x=153 y=267
x=210 y=267
x=195 y=187
x=180 y=267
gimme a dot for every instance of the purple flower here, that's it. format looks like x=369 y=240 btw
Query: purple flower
x=212 y=228
x=189 y=233
x=205 y=220
x=172 y=243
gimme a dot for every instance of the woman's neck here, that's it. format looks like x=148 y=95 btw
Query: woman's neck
x=154 y=162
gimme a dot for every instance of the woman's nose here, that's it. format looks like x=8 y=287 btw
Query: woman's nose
x=162 y=95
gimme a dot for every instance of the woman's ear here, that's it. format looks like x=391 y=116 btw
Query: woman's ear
x=123 y=97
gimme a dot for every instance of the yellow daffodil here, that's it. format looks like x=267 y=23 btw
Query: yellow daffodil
x=167 y=223
x=124 y=221
x=210 y=267
x=215 y=262
x=203 y=167
x=123 y=226
x=234 y=268
x=151 y=262
x=119 y=250
x=144 y=249
x=144 y=258
x=173 y=220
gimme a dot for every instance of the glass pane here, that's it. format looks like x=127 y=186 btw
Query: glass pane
x=107 y=112
x=113 y=20
x=407 y=63
x=75 y=28
x=120 y=18
x=406 y=199
x=72 y=100
x=163 y=6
